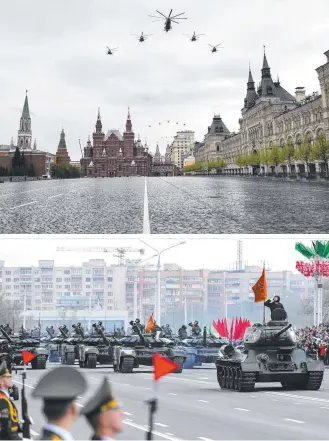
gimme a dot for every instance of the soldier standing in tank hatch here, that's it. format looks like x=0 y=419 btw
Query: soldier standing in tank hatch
x=182 y=333
x=196 y=330
x=9 y=426
x=103 y=413
x=274 y=303
x=59 y=389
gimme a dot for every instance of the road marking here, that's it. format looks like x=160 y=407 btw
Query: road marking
x=145 y=429
x=127 y=413
x=23 y=205
x=302 y=397
x=147 y=388
x=146 y=218
x=33 y=432
x=243 y=410
x=93 y=378
x=203 y=401
x=160 y=425
x=124 y=384
x=170 y=393
x=27 y=385
x=79 y=405
x=294 y=421
x=130 y=420
x=204 y=439
x=299 y=404
x=171 y=434
x=203 y=378
x=55 y=196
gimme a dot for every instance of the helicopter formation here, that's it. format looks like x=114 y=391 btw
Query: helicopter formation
x=168 y=27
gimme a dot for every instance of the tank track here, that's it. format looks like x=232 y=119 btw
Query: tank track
x=233 y=378
x=127 y=365
x=314 y=380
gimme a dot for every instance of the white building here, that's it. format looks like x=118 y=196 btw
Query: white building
x=58 y=293
x=182 y=147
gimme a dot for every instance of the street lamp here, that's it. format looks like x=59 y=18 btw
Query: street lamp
x=157 y=305
x=135 y=288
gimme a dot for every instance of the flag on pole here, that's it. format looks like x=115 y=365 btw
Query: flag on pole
x=163 y=366
x=27 y=357
x=150 y=324
x=260 y=288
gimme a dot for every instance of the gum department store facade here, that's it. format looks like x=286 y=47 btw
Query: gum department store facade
x=270 y=116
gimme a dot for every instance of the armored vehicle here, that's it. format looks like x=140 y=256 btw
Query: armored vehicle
x=23 y=342
x=201 y=349
x=146 y=344
x=270 y=354
x=108 y=351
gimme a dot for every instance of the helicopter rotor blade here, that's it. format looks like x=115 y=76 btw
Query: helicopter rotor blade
x=170 y=14
x=161 y=14
x=199 y=35
x=158 y=18
x=175 y=16
x=175 y=21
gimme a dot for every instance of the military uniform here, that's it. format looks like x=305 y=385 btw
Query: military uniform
x=59 y=389
x=101 y=402
x=9 y=424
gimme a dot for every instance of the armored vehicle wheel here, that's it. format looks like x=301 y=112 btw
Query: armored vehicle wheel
x=127 y=365
x=314 y=380
x=238 y=386
x=69 y=359
x=230 y=378
x=225 y=378
x=14 y=393
x=39 y=362
x=91 y=361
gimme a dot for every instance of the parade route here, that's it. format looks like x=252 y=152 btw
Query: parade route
x=192 y=406
x=169 y=205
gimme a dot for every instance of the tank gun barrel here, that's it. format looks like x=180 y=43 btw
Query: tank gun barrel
x=277 y=334
x=204 y=340
x=100 y=332
x=61 y=330
x=49 y=332
x=5 y=334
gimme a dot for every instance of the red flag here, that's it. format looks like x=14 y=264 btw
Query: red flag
x=27 y=356
x=163 y=366
x=225 y=328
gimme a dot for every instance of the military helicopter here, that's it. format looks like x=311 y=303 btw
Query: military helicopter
x=141 y=38
x=111 y=51
x=170 y=19
x=215 y=48
x=194 y=36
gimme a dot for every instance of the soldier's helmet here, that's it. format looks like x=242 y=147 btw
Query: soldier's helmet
x=277 y=297
x=196 y=322
x=137 y=320
x=184 y=327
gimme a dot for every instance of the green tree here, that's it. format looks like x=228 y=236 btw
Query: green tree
x=304 y=153
x=65 y=171
x=320 y=151
x=275 y=157
x=265 y=156
x=17 y=158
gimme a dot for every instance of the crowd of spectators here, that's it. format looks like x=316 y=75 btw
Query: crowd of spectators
x=315 y=340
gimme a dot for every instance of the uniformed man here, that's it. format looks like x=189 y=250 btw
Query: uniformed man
x=196 y=330
x=156 y=330
x=182 y=333
x=9 y=426
x=103 y=413
x=59 y=389
x=274 y=304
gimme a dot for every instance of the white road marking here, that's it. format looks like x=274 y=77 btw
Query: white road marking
x=203 y=401
x=127 y=413
x=170 y=393
x=170 y=434
x=299 y=404
x=27 y=385
x=23 y=205
x=145 y=429
x=204 y=439
x=301 y=397
x=243 y=410
x=160 y=425
x=294 y=421
x=147 y=388
x=33 y=432
x=146 y=218
x=93 y=378
x=55 y=195
x=130 y=420
x=203 y=378
x=124 y=384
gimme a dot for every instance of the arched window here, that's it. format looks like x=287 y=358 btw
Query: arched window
x=269 y=90
x=281 y=142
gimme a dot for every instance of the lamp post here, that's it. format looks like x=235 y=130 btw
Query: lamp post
x=158 y=293
x=135 y=290
x=225 y=294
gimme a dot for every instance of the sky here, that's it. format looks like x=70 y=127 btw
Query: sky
x=57 y=51
x=196 y=253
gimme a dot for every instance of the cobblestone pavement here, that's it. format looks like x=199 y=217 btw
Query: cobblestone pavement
x=191 y=205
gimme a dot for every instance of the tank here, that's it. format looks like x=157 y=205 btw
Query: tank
x=201 y=349
x=147 y=344
x=270 y=353
x=18 y=343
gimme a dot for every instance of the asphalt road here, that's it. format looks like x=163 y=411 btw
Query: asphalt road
x=171 y=205
x=192 y=406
